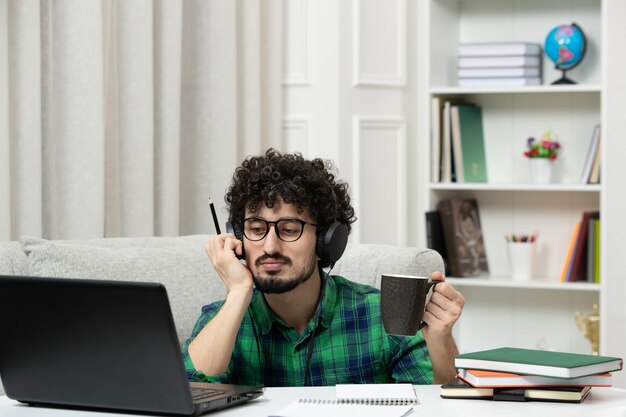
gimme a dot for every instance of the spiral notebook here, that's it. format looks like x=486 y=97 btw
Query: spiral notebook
x=363 y=400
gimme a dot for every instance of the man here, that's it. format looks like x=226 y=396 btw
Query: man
x=286 y=322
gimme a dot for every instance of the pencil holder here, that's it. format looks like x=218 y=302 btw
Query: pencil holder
x=521 y=260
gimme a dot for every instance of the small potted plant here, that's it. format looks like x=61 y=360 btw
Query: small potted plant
x=541 y=153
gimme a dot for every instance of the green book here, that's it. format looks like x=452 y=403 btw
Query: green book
x=472 y=143
x=596 y=266
x=591 y=249
x=538 y=362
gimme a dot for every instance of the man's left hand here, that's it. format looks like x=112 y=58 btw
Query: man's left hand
x=443 y=309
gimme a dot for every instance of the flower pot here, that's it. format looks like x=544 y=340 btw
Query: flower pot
x=541 y=170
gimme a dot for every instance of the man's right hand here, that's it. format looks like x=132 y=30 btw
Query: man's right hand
x=223 y=250
x=212 y=348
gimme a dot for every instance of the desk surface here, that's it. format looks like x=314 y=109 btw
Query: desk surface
x=605 y=402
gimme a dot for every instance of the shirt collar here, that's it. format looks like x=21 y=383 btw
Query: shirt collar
x=264 y=316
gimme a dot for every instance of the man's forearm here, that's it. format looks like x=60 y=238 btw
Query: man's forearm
x=212 y=348
x=442 y=353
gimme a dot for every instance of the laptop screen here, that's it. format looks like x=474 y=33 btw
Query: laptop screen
x=91 y=343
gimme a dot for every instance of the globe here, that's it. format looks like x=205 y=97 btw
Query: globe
x=565 y=45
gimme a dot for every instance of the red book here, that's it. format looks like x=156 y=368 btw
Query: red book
x=579 y=256
x=491 y=379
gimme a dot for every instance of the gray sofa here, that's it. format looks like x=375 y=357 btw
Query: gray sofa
x=182 y=266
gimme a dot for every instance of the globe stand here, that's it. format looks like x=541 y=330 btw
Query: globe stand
x=563 y=79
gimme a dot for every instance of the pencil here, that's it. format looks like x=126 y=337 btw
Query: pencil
x=215 y=222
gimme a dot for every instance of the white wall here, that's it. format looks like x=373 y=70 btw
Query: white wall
x=347 y=97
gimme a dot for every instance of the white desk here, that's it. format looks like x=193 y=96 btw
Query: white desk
x=602 y=402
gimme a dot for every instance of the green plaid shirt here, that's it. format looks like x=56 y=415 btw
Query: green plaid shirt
x=349 y=347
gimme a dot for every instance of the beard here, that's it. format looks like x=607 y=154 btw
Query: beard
x=271 y=284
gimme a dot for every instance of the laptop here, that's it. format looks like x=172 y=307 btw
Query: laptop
x=100 y=345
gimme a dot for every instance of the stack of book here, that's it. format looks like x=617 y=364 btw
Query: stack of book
x=514 y=374
x=499 y=64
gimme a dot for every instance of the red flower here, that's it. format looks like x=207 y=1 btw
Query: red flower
x=553 y=156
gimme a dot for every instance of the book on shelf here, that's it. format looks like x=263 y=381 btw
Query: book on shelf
x=538 y=362
x=436 y=108
x=448 y=169
x=365 y=400
x=445 y=167
x=591 y=155
x=568 y=256
x=468 y=143
x=596 y=266
x=434 y=237
x=460 y=389
x=462 y=232
x=578 y=270
x=594 y=176
x=457 y=151
x=499 y=48
x=499 y=82
x=514 y=61
x=499 y=72
x=491 y=379
x=591 y=252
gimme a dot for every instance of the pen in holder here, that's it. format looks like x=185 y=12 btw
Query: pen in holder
x=521 y=252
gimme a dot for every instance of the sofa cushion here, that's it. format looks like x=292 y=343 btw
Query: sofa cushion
x=180 y=264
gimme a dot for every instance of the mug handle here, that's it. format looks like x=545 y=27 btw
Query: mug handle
x=431 y=287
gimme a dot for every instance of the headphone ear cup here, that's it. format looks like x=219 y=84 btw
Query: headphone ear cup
x=331 y=243
x=236 y=230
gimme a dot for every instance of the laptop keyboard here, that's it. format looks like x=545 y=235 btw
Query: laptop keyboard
x=203 y=394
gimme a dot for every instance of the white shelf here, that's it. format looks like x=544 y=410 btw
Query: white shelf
x=516 y=187
x=540 y=89
x=505 y=282
x=539 y=312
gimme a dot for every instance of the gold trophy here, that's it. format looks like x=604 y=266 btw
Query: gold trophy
x=590 y=327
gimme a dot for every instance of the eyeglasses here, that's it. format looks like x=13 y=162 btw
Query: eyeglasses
x=287 y=229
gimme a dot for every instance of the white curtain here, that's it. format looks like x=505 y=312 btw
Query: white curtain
x=120 y=118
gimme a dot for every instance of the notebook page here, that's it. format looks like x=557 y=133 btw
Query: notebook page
x=376 y=393
x=317 y=408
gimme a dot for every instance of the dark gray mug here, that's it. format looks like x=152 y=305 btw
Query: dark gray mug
x=403 y=302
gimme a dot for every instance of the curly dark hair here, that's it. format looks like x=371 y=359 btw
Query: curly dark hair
x=307 y=184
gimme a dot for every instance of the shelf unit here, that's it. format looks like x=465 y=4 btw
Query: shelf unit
x=535 y=284
x=540 y=313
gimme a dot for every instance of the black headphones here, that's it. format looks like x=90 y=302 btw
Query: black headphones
x=330 y=245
